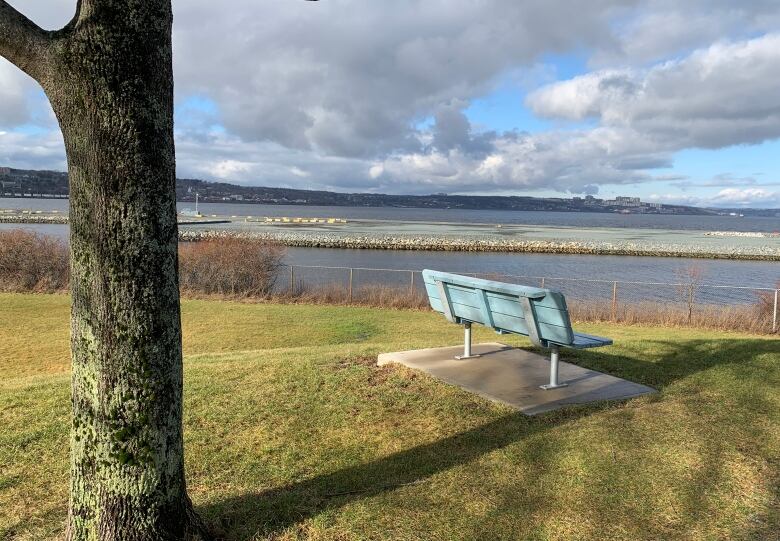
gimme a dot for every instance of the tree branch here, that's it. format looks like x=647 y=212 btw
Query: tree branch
x=76 y=17
x=22 y=41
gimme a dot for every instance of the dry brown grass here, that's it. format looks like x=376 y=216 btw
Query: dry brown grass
x=749 y=317
x=32 y=262
x=375 y=295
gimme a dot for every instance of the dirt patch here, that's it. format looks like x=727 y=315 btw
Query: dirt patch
x=360 y=360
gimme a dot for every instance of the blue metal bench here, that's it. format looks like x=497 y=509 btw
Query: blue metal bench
x=541 y=314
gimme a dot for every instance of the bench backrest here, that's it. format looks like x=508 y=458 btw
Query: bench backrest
x=538 y=313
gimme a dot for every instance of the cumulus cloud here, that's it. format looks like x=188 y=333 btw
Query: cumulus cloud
x=723 y=95
x=565 y=161
x=663 y=28
x=350 y=78
x=746 y=197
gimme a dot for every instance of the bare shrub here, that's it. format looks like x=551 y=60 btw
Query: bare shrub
x=691 y=278
x=32 y=262
x=232 y=267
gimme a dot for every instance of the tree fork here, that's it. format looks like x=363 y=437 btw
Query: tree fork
x=109 y=77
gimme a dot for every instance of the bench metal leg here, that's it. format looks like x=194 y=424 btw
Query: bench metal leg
x=554 y=384
x=467 y=343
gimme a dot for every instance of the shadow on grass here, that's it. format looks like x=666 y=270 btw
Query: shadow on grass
x=264 y=513
x=261 y=514
x=672 y=361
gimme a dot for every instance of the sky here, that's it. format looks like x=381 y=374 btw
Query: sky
x=674 y=102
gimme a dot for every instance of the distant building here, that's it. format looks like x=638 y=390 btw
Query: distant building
x=5 y=170
x=627 y=200
x=622 y=201
x=590 y=200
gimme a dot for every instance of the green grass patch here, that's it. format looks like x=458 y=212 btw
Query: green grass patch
x=292 y=432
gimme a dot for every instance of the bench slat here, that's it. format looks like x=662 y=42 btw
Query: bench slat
x=504 y=322
x=550 y=310
x=502 y=304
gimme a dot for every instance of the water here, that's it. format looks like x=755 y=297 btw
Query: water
x=592 y=267
x=570 y=219
x=623 y=268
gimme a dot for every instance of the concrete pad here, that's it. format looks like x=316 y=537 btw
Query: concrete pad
x=513 y=376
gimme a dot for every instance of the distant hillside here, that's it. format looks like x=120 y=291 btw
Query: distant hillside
x=29 y=183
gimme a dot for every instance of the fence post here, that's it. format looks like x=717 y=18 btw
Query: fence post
x=690 y=302
x=411 y=283
x=774 y=313
x=351 y=273
x=614 y=301
x=292 y=279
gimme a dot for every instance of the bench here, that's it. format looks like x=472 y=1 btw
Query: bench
x=541 y=314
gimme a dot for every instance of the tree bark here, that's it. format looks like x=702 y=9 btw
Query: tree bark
x=108 y=75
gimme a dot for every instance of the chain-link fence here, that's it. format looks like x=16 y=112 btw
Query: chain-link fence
x=688 y=301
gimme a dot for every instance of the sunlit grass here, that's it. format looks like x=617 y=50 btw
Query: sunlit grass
x=293 y=433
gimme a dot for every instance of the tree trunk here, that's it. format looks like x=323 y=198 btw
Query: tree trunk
x=108 y=75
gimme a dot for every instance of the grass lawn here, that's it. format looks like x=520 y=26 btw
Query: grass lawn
x=293 y=433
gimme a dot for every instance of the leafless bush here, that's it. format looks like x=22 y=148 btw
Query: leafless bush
x=230 y=267
x=691 y=277
x=32 y=262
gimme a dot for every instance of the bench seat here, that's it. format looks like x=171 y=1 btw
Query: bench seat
x=584 y=341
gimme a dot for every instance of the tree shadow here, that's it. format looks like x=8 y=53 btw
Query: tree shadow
x=264 y=513
x=675 y=360
x=260 y=514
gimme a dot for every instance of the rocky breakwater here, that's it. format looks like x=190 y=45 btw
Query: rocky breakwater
x=743 y=234
x=32 y=218
x=487 y=244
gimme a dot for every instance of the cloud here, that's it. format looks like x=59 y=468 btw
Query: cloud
x=373 y=96
x=564 y=161
x=663 y=28
x=14 y=88
x=351 y=78
x=452 y=130
x=221 y=155
x=726 y=198
x=720 y=96
x=746 y=197
x=33 y=151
